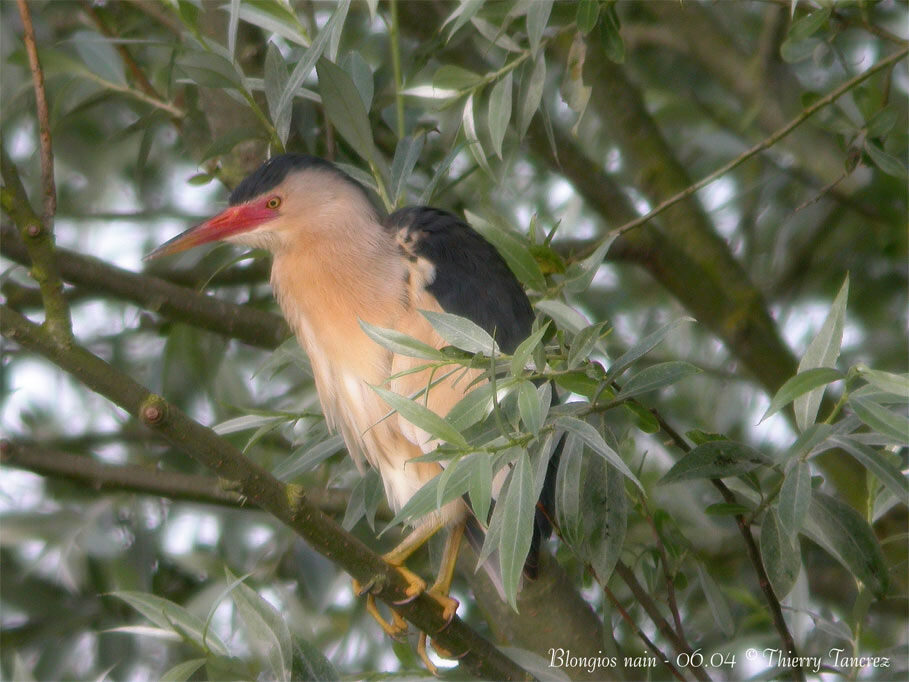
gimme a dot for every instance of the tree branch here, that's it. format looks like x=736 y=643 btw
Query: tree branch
x=249 y=325
x=38 y=252
x=287 y=503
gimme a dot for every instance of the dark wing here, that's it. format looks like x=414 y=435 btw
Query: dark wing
x=471 y=279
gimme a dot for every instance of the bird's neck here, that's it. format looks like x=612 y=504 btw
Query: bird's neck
x=336 y=276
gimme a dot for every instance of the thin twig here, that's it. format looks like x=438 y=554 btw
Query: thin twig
x=663 y=658
x=763 y=144
x=670 y=585
x=44 y=134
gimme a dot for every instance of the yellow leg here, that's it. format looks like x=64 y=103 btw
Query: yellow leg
x=442 y=586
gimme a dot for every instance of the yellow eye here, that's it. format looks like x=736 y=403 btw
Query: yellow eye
x=274 y=202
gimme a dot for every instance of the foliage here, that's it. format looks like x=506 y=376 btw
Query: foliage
x=728 y=446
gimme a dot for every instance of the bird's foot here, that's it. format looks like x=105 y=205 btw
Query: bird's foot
x=449 y=604
x=393 y=629
x=415 y=584
x=423 y=653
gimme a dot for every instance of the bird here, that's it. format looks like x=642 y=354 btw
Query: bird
x=338 y=261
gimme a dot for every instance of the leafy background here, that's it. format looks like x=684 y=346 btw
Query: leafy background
x=753 y=331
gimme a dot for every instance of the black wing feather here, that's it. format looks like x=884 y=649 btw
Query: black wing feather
x=471 y=278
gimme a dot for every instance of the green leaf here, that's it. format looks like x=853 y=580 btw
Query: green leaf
x=307 y=458
x=800 y=384
x=531 y=94
x=275 y=18
x=463 y=13
x=525 y=350
x=472 y=408
x=480 y=485
x=407 y=153
x=580 y=275
x=183 y=671
x=586 y=17
x=99 y=56
x=537 y=18
x=344 y=108
x=210 y=69
x=795 y=498
x=450 y=77
x=310 y=664
x=726 y=509
x=875 y=462
x=595 y=442
x=898 y=384
x=716 y=459
x=500 y=112
x=223 y=144
x=233 y=22
x=461 y=332
x=174 y=618
x=441 y=170
x=563 y=315
x=359 y=71
x=468 y=121
x=716 y=601
x=886 y=162
x=275 y=82
x=517 y=517
x=848 y=538
x=823 y=351
x=655 y=377
x=568 y=489
x=882 y=122
x=809 y=24
x=611 y=37
x=643 y=347
x=604 y=516
x=530 y=407
x=401 y=343
x=583 y=344
x=268 y=633
x=781 y=556
x=513 y=249
x=881 y=419
x=422 y=417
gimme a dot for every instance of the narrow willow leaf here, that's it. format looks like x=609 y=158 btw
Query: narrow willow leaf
x=716 y=459
x=245 y=423
x=809 y=24
x=517 y=517
x=480 y=486
x=313 y=53
x=468 y=121
x=457 y=78
x=309 y=663
x=461 y=332
x=422 y=417
x=717 y=602
x=359 y=71
x=267 y=630
x=275 y=82
x=530 y=407
x=823 y=351
x=531 y=94
x=595 y=442
x=583 y=344
x=586 y=17
x=898 y=384
x=275 y=18
x=568 y=489
x=604 y=513
x=875 y=462
x=233 y=23
x=401 y=343
x=564 y=315
x=881 y=419
x=525 y=349
x=848 y=538
x=882 y=122
x=888 y=163
x=800 y=384
x=513 y=249
x=643 y=347
x=174 y=618
x=427 y=499
x=780 y=555
x=182 y=671
x=407 y=153
x=99 y=56
x=611 y=37
x=500 y=112
x=440 y=172
x=537 y=18
x=344 y=108
x=795 y=498
x=580 y=275
x=465 y=10
x=655 y=377
x=472 y=408
x=307 y=458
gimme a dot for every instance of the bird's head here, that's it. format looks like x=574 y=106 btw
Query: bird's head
x=289 y=197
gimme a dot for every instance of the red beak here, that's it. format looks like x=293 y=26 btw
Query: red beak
x=232 y=221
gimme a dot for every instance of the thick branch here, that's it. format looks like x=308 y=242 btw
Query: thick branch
x=38 y=251
x=249 y=325
x=286 y=503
